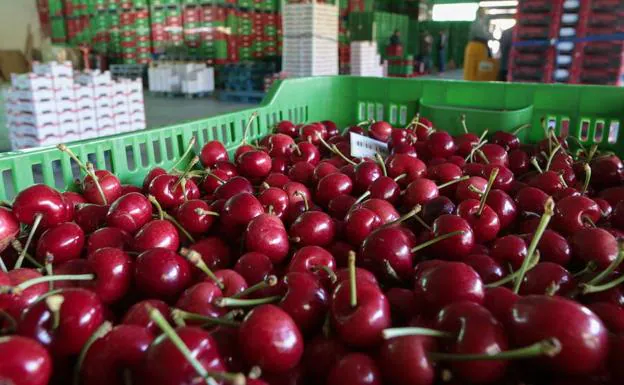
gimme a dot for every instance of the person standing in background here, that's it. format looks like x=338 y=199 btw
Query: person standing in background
x=442 y=50
x=426 y=48
x=395 y=39
x=477 y=49
x=505 y=47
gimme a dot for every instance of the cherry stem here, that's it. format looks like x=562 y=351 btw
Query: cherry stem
x=161 y=213
x=549 y=347
x=327 y=270
x=588 y=174
x=437 y=239
x=522 y=127
x=452 y=182
x=207 y=376
x=413 y=212
x=482 y=155
x=202 y=212
x=12 y=327
x=592 y=152
x=54 y=303
x=185 y=154
x=343 y=156
x=552 y=156
x=17 y=246
x=210 y=174
x=22 y=255
x=63 y=148
x=362 y=198
x=269 y=281
x=179 y=227
x=297 y=149
x=100 y=332
x=589 y=268
x=391 y=272
x=398 y=178
x=463 y=123
x=96 y=180
x=247 y=127
x=536 y=165
x=187 y=170
x=606 y=272
x=588 y=221
x=238 y=302
x=365 y=122
x=512 y=276
x=306 y=205
x=413 y=331
x=422 y=222
x=488 y=188
x=352 y=279
x=53 y=278
x=196 y=259
x=382 y=164
x=549 y=207
x=179 y=316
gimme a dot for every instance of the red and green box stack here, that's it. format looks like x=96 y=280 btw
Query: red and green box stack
x=401 y=67
x=167 y=29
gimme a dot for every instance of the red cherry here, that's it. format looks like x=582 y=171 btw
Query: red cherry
x=366 y=173
x=213 y=152
x=151 y=175
x=9 y=227
x=108 y=236
x=359 y=223
x=15 y=303
x=595 y=245
x=485 y=225
x=499 y=301
x=195 y=216
x=380 y=131
x=310 y=132
x=385 y=188
x=270 y=339
x=25 y=362
x=320 y=355
x=90 y=217
x=63 y=242
x=312 y=228
x=215 y=253
x=41 y=200
x=441 y=144
x=306 y=301
x=312 y=259
x=254 y=164
x=239 y=210
x=504 y=207
x=199 y=298
x=138 y=315
x=389 y=247
x=398 y=355
x=531 y=200
x=286 y=127
x=302 y=172
x=161 y=273
x=63 y=322
x=554 y=248
x=384 y=209
x=455 y=247
x=607 y=171
x=266 y=234
x=464 y=192
x=571 y=214
x=332 y=185
x=74 y=197
x=119 y=353
x=340 y=206
x=548 y=278
x=355 y=369
x=519 y=162
x=156 y=234
x=109 y=183
x=610 y=314
x=420 y=192
x=168 y=191
x=509 y=249
x=437 y=207
x=130 y=212
x=495 y=154
x=488 y=269
x=213 y=180
x=507 y=140
x=400 y=164
x=331 y=127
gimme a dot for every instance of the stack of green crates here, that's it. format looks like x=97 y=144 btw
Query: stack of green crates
x=114 y=33
x=400 y=66
x=379 y=27
x=58 y=28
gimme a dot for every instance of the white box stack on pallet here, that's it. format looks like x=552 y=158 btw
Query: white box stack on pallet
x=310 y=39
x=181 y=78
x=365 y=59
x=51 y=106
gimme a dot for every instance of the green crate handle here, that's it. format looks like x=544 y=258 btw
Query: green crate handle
x=594 y=114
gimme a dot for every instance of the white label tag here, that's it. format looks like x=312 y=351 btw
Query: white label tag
x=365 y=147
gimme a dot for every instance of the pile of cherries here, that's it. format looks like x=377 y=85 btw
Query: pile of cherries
x=468 y=259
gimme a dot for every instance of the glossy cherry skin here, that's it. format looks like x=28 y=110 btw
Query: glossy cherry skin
x=113 y=271
x=215 y=253
x=507 y=140
x=441 y=144
x=360 y=326
x=437 y=207
x=199 y=299
x=254 y=267
x=121 y=349
x=519 y=162
x=313 y=228
x=366 y=173
x=355 y=369
x=404 y=361
x=138 y=315
x=309 y=132
x=448 y=283
x=266 y=234
x=110 y=184
x=331 y=186
x=239 y=210
x=547 y=278
x=359 y=223
x=594 y=244
x=320 y=355
x=306 y=301
x=477 y=332
x=385 y=210
x=15 y=303
x=270 y=339
x=554 y=248
x=108 y=237
x=213 y=152
x=400 y=164
x=323 y=169
x=570 y=213
x=484 y=226
x=488 y=269
x=169 y=193
x=254 y=164
x=286 y=127
x=463 y=191
x=213 y=180
x=130 y=212
x=158 y=233
x=305 y=152
x=531 y=200
x=233 y=283
x=385 y=188
x=25 y=362
x=495 y=154
x=456 y=247
x=607 y=171
x=81 y=313
x=74 y=197
x=583 y=337
x=420 y=192
x=340 y=206
x=504 y=207
x=380 y=131
x=389 y=246
x=233 y=186
x=510 y=249
x=151 y=175
x=194 y=222
x=168 y=366
x=549 y=182
x=309 y=259
x=43 y=200
x=610 y=314
x=276 y=199
x=64 y=242
x=161 y=273
x=90 y=217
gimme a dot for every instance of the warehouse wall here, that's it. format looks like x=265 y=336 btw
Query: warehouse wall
x=15 y=15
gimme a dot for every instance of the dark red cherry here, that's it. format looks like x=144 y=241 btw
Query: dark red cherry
x=108 y=237
x=437 y=207
x=519 y=162
x=389 y=247
x=168 y=190
x=138 y=315
x=340 y=206
x=488 y=269
x=213 y=180
x=63 y=242
x=510 y=249
x=485 y=224
x=320 y=355
x=385 y=188
x=312 y=259
x=286 y=127
x=594 y=245
x=159 y=233
x=161 y=273
x=113 y=270
x=548 y=278
x=420 y=192
x=574 y=213
x=504 y=207
x=312 y=228
x=507 y=140
x=233 y=186
x=385 y=210
x=306 y=301
x=266 y=234
x=44 y=201
x=254 y=164
x=305 y=152
x=554 y=248
x=399 y=164
x=355 y=369
x=25 y=361
x=15 y=303
x=441 y=144
x=90 y=217
x=331 y=186
x=398 y=355
x=380 y=131
x=359 y=223
x=238 y=211
x=110 y=187
x=455 y=247
x=214 y=252
x=129 y=213
x=199 y=298
x=213 y=152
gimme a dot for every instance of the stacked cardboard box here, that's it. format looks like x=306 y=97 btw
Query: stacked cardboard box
x=181 y=78
x=365 y=59
x=53 y=105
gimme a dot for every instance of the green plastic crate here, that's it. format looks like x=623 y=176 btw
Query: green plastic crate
x=592 y=113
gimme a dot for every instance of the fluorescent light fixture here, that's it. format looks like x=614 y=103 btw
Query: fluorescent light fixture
x=501 y=3
x=454 y=12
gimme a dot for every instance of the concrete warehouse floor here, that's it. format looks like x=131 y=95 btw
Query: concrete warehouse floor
x=161 y=111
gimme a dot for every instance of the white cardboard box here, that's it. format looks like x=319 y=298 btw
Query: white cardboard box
x=94 y=78
x=55 y=69
x=31 y=81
